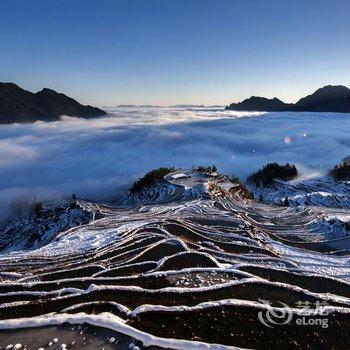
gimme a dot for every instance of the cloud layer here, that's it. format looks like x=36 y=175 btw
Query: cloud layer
x=97 y=158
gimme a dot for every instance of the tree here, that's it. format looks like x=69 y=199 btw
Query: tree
x=272 y=171
x=341 y=172
x=37 y=208
x=207 y=169
x=150 y=179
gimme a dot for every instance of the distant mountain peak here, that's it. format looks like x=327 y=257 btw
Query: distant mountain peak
x=325 y=92
x=9 y=84
x=329 y=98
x=47 y=90
x=21 y=106
x=258 y=103
x=334 y=87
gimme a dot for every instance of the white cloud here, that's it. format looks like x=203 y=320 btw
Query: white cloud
x=98 y=157
x=12 y=152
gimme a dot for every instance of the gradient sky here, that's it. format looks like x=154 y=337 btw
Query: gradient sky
x=180 y=51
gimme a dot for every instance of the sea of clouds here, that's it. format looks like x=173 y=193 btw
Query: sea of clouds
x=99 y=158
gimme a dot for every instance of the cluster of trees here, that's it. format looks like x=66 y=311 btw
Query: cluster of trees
x=272 y=171
x=37 y=208
x=207 y=169
x=150 y=179
x=341 y=172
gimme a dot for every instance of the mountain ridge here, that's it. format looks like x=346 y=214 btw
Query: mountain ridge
x=330 y=98
x=18 y=105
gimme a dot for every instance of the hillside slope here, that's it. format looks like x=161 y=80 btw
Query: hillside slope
x=189 y=264
x=21 y=106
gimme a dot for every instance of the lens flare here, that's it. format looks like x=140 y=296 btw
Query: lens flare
x=287 y=140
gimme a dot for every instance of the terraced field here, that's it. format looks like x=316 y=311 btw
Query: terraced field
x=191 y=263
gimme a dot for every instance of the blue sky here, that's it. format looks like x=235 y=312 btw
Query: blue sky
x=167 y=52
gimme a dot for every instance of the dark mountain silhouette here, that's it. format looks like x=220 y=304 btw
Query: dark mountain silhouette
x=21 y=106
x=256 y=103
x=327 y=99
